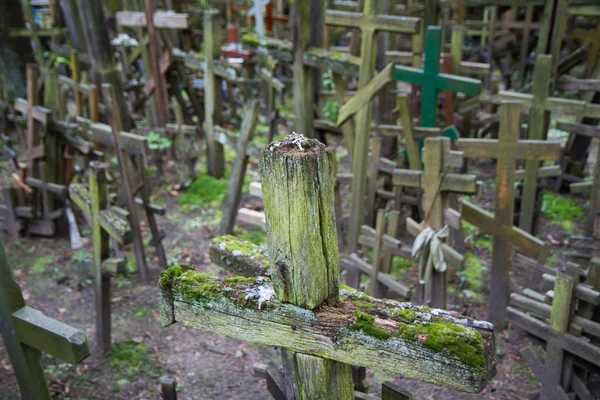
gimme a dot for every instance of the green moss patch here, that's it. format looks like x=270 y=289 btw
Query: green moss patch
x=444 y=337
x=131 y=360
x=365 y=322
x=253 y=235
x=561 y=210
x=206 y=191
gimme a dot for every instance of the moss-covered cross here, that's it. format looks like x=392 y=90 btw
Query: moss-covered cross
x=301 y=307
x=28 y=332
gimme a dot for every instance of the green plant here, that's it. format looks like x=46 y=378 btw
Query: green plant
x=561 y=210
x=81 y=257
x=157 y=142
x=330 y=110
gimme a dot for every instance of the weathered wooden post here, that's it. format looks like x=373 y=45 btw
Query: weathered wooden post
x=212 y=93
x=323 y=329
x=104 y=222
x=27 y=333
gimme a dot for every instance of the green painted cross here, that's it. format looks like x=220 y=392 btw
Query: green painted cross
x=432 y=81
x=27 y=333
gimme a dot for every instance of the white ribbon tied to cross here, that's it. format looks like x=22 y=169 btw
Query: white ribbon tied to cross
x=427 y=249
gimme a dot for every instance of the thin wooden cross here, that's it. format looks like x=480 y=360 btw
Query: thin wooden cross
x=432 y=81
x=155 y=20
x=507 y=150
x=27 y=333
x=301 y=309
x=436 y=182
x=105 y=222
x=540 y=106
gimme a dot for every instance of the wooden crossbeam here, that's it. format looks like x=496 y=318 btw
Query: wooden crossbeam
x=27 y=333
x=301 y=331
x=162 y=19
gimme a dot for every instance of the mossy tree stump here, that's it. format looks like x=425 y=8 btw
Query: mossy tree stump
x=301 y=309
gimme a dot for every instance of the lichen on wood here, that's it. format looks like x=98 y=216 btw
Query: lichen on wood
x=297 y=185
x=436 y=346
x=239 y=256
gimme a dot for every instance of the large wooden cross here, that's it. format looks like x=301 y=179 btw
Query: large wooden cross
x=301 y=308
x=105 y=222
x=436 y=182
x=507 y=150
x=369 y=23
x=27 y=333
x=431 y=81
x=540 y=106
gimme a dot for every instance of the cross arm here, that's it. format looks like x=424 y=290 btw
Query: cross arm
x=131 y=143
x=111 y=220
x=459 y=183
x=387 y=23
x=39 y=113
x=526 y=243
x=52 y=337
x=453 y=83
x=579 y=129
x=408 y=74
x=419 y=132
x=59 y=190
x=162 y=19
x=239 y=256
x=365 y=95
x=418 y=342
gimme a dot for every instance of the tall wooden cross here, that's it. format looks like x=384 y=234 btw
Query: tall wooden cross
x=540 y=105
x=432 y=81
x=436 y=182
x=369 y=23
x=105 y=222
x=507 y=150
x=27 y=333
x=301 y=308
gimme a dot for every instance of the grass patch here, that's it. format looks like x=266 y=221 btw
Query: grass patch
x=561 y=210
x=40 y=265
x=473 y=272
x=400 y=266
x=485 y=241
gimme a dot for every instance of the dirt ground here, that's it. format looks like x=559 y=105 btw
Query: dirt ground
x=54 y=280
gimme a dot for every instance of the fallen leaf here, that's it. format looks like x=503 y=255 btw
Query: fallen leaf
x=62 y=310
x=138 y=339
